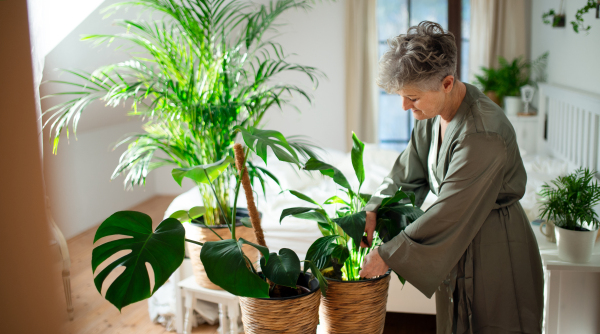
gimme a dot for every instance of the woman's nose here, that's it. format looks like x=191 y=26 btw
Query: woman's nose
x=406 y=103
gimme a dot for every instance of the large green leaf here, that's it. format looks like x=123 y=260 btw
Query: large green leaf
x=282 y=268
x=199 y=173
x=304 y=197
x=328 y=170
x=163 y=249
x=227 y=267
x=353 y=225
x=320 y=250
x=187 y=216
x=259 y=140
x=358 y=148
x=293 y=212
x=398 y=196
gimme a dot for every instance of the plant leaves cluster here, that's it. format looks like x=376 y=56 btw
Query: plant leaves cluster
x=578 y=24
x=509 y=77
x=570 y=200
x=338 y=253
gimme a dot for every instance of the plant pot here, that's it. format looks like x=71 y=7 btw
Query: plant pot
x=513 y=105
x=355 y=306
x=575 y=246
x=294 y=315
x=559 y=21
x=493 y=96
x=198 y=232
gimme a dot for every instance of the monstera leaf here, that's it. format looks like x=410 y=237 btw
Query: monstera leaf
x=353 y=225
x=203 y=173
x=328 y=170
x=282 y=268
x=228 y=267
x=163 y=249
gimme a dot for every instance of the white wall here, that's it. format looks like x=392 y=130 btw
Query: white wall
x=78 y=177
x=573 y=59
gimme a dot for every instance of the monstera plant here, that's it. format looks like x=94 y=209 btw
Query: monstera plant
x=198 y=69
x=338 y=253
x=224 y=262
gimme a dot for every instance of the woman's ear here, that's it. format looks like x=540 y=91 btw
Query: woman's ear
x=448 y=83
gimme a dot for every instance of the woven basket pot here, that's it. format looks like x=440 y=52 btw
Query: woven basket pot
x=355 y=306
x=200 y=233
x=291 y=315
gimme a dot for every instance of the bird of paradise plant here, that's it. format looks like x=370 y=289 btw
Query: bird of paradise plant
x=206 y=66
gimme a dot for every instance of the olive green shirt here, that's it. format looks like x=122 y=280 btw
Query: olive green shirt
x=474 y=247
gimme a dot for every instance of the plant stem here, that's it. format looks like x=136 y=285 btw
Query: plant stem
x=196 y=242
x=218 y=202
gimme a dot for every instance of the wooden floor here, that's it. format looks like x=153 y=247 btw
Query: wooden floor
x=94 y=315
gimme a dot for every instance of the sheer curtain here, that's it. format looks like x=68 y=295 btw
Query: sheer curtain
x=361 y=70
x=498 y=28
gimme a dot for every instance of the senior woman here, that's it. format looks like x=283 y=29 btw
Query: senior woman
x=474 y=247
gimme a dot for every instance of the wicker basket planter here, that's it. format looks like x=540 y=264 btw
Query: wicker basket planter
x=355 y=306
x=200 y=233
x=293 y=315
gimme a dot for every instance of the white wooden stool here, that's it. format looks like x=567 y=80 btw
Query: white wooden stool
x=229 y=305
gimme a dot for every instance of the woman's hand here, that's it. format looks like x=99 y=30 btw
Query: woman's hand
x=369 y=228
x=373 y=265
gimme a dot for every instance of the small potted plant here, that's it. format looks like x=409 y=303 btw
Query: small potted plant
x=263 y=295
x=352 y=304
x=569 y=202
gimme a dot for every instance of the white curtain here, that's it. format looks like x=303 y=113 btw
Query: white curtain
x=498 y=28
x=361 y=70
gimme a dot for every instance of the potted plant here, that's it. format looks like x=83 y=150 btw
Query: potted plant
x=280 y=286
x=559 y=18
x=569 y=202
x=506 y=80
x=205 y=67
x=352 y=304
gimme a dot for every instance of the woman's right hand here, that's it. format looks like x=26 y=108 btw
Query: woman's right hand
x=369 y=228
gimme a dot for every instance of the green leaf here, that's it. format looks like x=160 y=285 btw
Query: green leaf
x=340 y=252
x=227 y=267
x=402 y=280
x=398 y=196
x=246 y=221
x=358 y=148
x=282 y=269
x=163 y=249
x=181 y=215
x=410 y=212
x=197 y=212
x=336 y=200
x=259 y=140
x=320 y=250
x=322 y=281
x=303 y=197
x=328 y=170
x=198 y=173
x=317 y=216
x=353 y=225
x=293 y=211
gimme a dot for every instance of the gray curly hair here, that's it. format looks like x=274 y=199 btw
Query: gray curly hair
x=422 y=57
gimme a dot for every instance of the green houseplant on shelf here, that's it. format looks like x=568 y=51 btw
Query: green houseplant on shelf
x=204 y=67
x=281 y=284
x=502 y=84
x=569 y=202
x=338 y=254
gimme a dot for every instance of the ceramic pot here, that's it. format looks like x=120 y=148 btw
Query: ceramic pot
x=513 y=105
x=575 y=246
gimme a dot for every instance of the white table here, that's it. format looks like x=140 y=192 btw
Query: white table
x=229 y=305
x=572 y=291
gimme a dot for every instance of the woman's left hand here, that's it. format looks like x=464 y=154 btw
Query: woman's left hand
x=373 y=265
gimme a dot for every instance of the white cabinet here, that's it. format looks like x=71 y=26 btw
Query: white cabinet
x=526 y=128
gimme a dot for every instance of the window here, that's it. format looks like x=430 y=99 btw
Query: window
x=395 y=17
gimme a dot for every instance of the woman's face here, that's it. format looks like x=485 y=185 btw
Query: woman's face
x=426 y=104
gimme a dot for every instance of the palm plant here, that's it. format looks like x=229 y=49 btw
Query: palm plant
x=571 y=199
x=338 y=253
x=205 y=67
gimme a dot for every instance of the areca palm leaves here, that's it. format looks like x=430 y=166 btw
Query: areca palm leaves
x=205 y=67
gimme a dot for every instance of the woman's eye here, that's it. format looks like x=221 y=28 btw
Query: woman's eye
x=415 y=100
